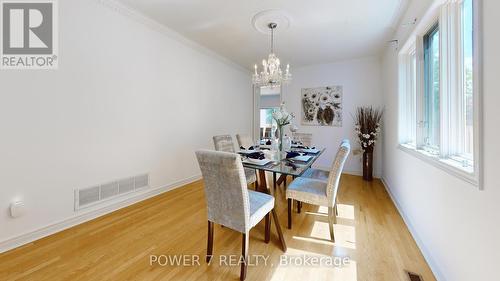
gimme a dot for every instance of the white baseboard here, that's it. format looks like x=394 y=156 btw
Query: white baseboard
x=360 y=173
x=90 y=215
x=426 y=253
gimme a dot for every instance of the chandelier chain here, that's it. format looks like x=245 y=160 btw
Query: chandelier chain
x=272 y=39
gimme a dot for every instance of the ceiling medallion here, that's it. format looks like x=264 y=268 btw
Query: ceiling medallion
x=271 y=73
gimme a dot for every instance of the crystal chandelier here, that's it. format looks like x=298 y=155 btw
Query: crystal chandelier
x=271 y=74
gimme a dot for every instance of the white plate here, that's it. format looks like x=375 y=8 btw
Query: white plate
x=310 y=150
x=303 y=158
x=259 y=162
x=246 y=151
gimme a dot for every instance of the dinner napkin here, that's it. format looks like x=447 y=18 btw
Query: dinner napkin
x=256 y=155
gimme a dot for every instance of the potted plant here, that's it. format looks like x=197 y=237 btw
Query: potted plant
x=367 y=129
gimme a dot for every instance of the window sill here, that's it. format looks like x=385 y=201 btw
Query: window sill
x=450 y=166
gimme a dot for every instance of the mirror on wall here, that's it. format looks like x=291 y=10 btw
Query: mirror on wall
x=267 y=99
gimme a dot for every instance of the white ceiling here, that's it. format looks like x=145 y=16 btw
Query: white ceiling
x=320 y=30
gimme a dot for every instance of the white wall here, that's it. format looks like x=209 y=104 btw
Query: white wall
x=455 y=224
x=361 y=81
x=125 y=100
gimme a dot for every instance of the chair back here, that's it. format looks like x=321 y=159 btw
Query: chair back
x=336 y=172
x=225 y=189
x=224 y=143
x=244 y=140
x=305 y=138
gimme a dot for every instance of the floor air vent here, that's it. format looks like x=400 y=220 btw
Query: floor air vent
x=90 y=196
x=413 y=276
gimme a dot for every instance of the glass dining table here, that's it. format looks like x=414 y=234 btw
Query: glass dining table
x=279 y=164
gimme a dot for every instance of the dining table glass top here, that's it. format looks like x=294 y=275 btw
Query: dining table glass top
x=280 y=164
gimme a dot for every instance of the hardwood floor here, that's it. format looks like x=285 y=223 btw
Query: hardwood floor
x=369 y=231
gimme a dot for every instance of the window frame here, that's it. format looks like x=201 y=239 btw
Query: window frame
x=423 y=113
x=444 y=14
x=408 y=101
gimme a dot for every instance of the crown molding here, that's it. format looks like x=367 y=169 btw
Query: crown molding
x=141 y=18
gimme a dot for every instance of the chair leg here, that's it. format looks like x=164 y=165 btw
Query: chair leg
x=278 y=230
x=331 y=222
x=299 y=206
x=256 y=181
x=336 y=213
x=274 y=181
x=210 y=241
x=244 y=256
x=290 y=202
x=268 y=228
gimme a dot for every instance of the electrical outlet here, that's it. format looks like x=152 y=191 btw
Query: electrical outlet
x=17 y=209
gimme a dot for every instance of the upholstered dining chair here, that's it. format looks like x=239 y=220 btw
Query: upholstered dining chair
x=319 y=174
x=229 y=202
x=305 y=138
x=225 y=143
x=244 y=140
x=319 y=192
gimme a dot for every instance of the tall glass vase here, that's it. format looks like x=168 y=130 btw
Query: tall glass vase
x=280 y=138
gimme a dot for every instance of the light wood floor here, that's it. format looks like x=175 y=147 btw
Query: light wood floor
x=118 y=246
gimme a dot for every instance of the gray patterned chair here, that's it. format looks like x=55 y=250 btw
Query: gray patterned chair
x=320 y=192
x=225 y=143
x=318 y=173
x=244 y=140
x=229 y=202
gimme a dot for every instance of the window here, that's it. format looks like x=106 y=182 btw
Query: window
x=408 y=102
x=430 y=118
x=467 y=121
x=438 y=114
x=267 y=123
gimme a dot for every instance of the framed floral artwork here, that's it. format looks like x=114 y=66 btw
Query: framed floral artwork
x=322 y=106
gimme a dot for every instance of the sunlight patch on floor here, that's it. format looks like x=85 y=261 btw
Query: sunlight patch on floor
x=316 y=214
x=345 y=211
x=314 y=240
x=323 y=209
x=345 y=235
